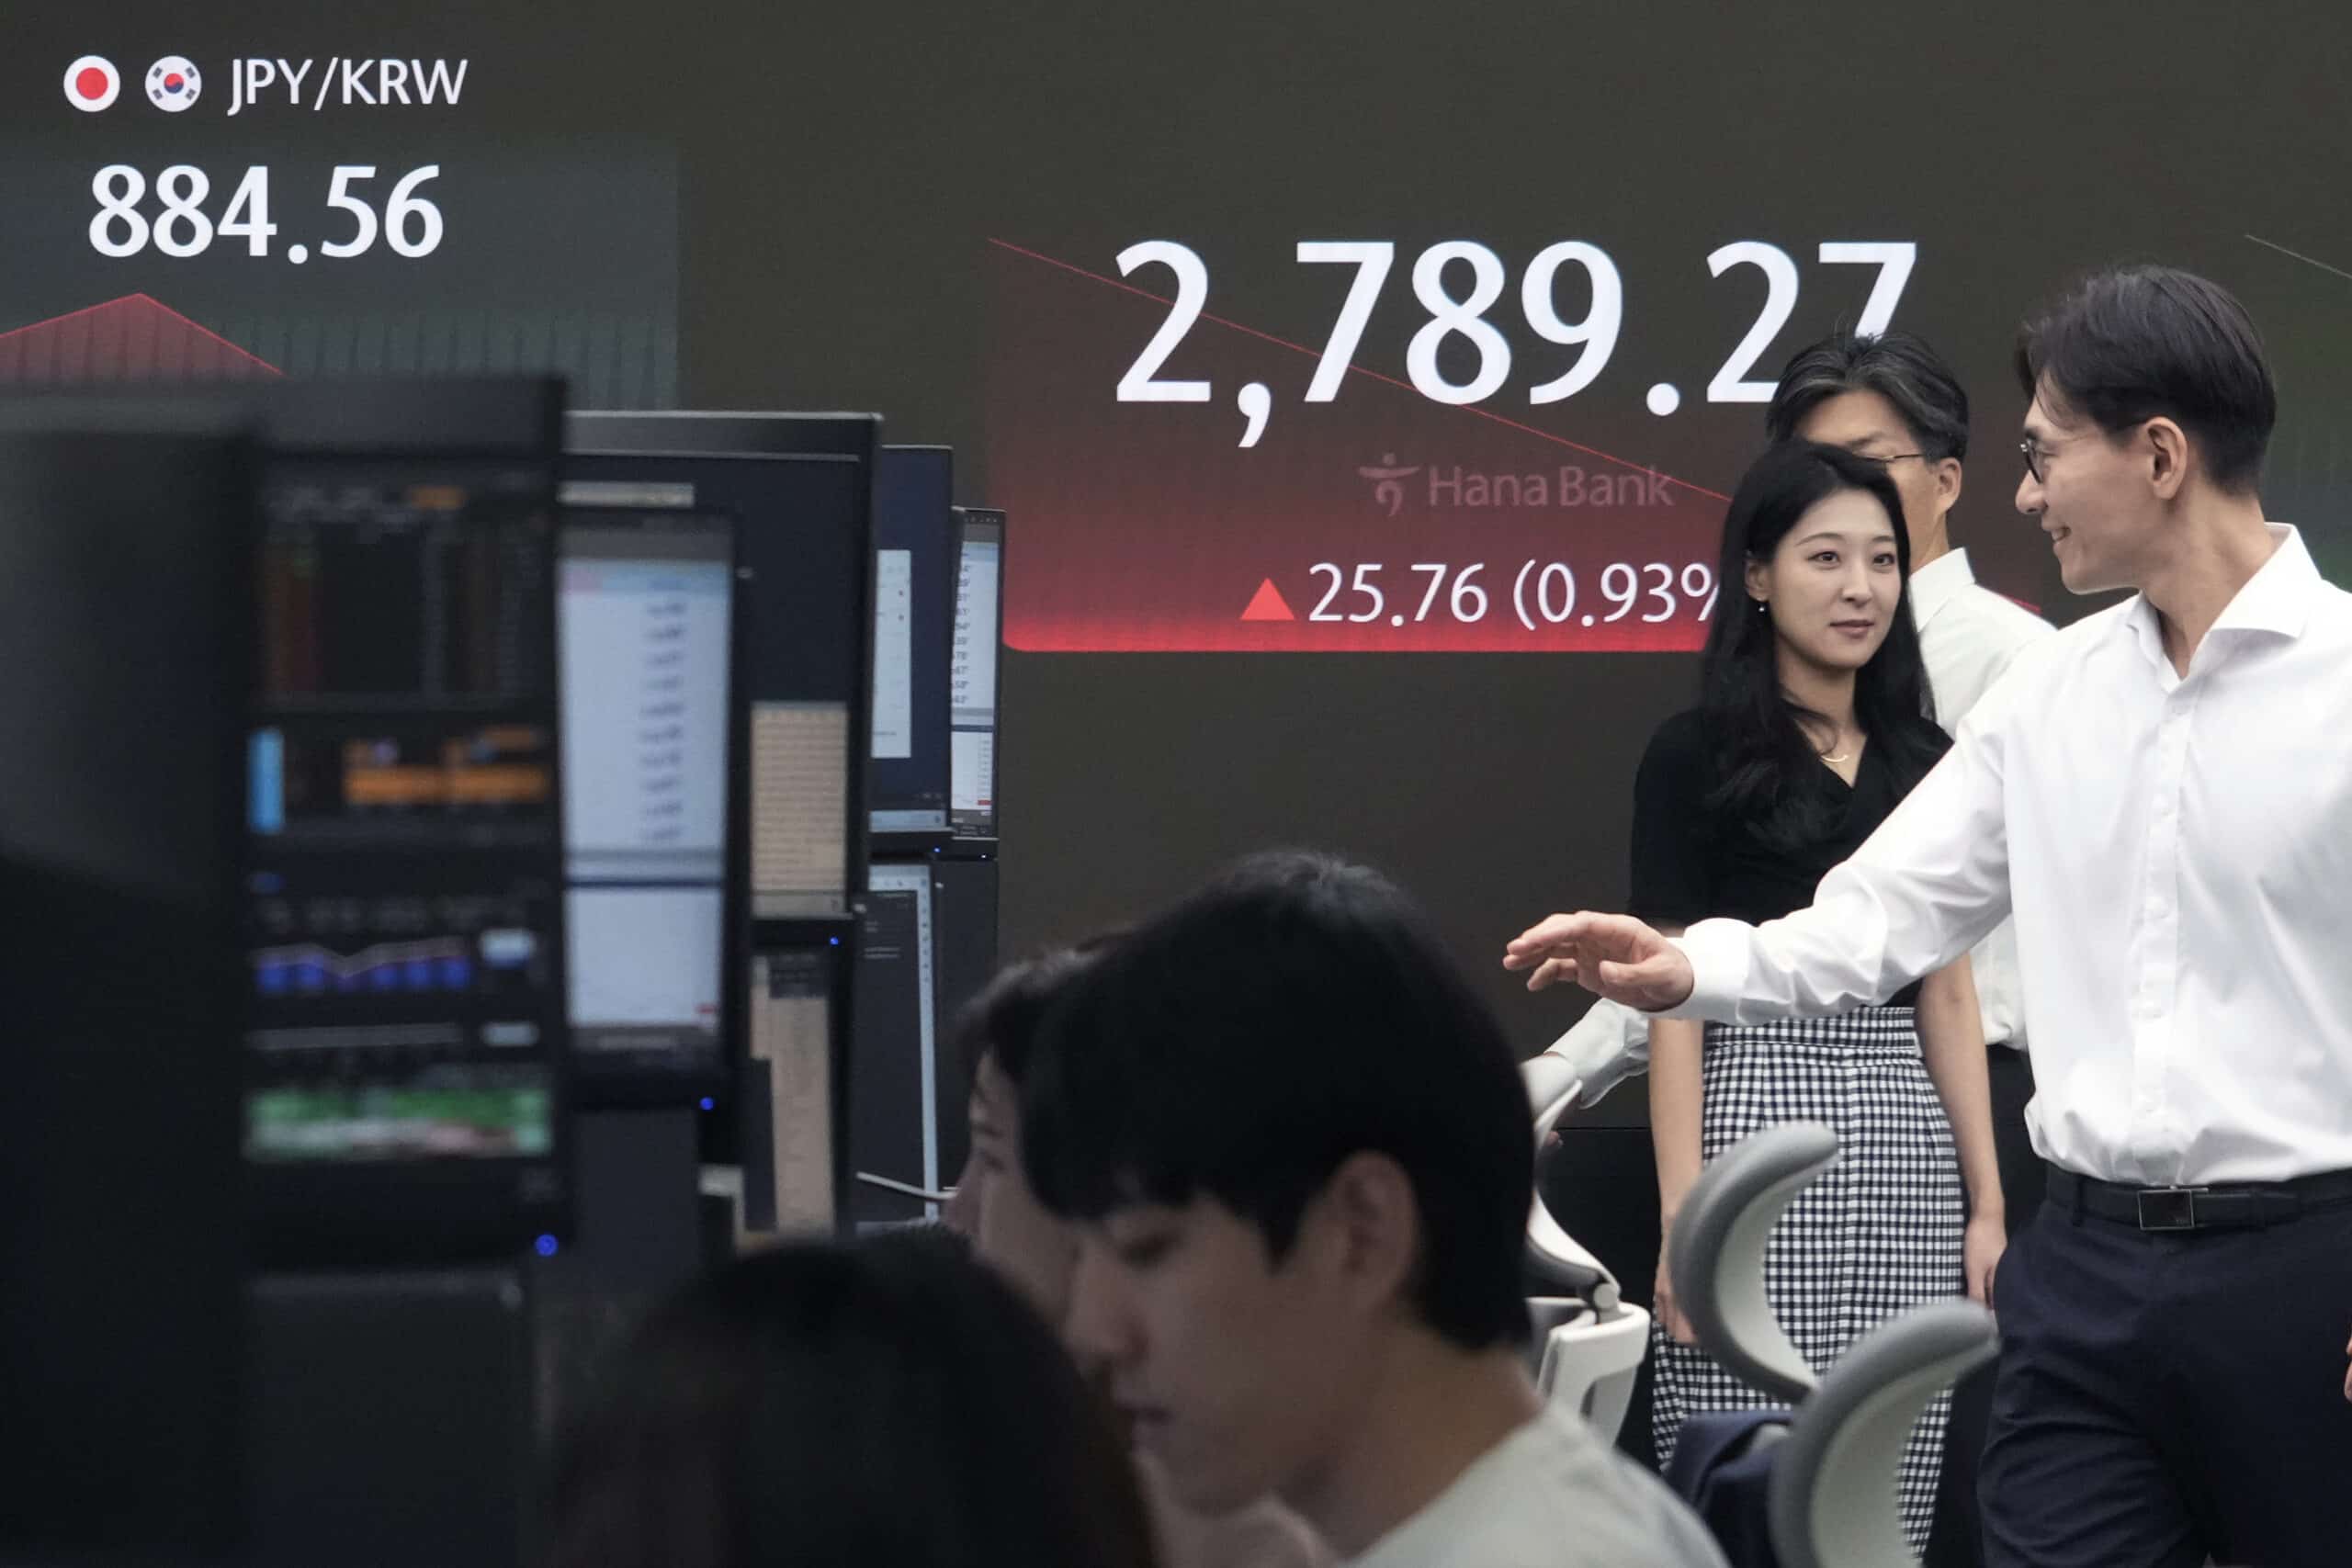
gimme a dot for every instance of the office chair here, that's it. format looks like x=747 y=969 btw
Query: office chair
x=1588 y=1343
x=1832 y=1490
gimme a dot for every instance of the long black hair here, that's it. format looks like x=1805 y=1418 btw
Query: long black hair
x=1770 y=771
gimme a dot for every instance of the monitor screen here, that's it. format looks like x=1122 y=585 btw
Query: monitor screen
x=914 y=611
x=404 y=867
x=801 y=548
x=972 y=675
x=646 y=609
x=793 y=1111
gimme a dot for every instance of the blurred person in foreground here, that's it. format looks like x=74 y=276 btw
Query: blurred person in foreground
x=824 y=1406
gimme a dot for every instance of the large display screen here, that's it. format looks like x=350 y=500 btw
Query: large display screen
x=1359 y=332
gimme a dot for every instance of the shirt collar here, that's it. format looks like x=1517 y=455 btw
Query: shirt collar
x=2275 y=599
x=1937 y=583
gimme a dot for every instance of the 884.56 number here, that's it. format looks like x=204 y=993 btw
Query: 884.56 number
x=409 y=224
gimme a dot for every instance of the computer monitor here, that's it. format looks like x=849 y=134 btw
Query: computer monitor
x=894 y=1069
x=127 y=537
x=972 y=678
x=914 y=615
x=964 y=958
x=801 y=488
x=794 y=1133
x=407 y=1089
x=652 y=902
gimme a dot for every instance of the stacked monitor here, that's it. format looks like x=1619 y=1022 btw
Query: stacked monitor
x=647 y=609
x=929 y=926
x=801 y=492
x=404 y=902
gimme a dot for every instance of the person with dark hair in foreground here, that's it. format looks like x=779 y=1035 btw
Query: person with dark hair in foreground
x=834 y=1406
x=1811 y=724
x=1299 y=1148
x=2162 y=793
x=1038 y=1252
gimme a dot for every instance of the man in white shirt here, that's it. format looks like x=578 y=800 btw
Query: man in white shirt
x=1298 y=1145
x=2162 y=793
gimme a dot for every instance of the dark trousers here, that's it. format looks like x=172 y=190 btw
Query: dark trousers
x=1955 y=1541
x=2167 y=1397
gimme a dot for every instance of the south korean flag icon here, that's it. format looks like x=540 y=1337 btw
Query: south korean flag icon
x=92 y=84
x=173 y=84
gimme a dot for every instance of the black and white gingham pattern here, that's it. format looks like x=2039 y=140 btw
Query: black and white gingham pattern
x=1875 y=1234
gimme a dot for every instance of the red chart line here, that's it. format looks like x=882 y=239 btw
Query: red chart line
x=208 y=331
x=127 y=299
x=53 y=321
x=1507 y=423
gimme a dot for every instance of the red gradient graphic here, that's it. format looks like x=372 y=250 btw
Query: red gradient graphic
x=135 y=338
x=1145 y=527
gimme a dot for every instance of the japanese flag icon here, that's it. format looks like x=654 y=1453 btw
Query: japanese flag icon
x=92 y=84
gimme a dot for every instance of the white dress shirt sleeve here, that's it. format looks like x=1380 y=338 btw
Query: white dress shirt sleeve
x=1921 y=891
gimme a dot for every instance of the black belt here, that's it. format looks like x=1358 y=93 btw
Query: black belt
x=2236 y=1206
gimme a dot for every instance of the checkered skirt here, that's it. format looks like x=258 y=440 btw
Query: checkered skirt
x=1875 y=1234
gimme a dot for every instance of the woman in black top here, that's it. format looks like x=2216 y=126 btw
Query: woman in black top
x=1813 y=723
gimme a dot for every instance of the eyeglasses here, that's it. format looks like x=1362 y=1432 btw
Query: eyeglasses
x=2036 y=452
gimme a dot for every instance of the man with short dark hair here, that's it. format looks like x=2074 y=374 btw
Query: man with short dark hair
x=1300 y=1150
x=2163 y=794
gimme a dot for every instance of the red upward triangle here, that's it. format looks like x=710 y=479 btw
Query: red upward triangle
x=1267 y=604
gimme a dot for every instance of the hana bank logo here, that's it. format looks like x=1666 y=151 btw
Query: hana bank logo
x=1388 y=488
x=1453 y=487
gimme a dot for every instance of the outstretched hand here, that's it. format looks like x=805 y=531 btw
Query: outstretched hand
x=1612 y=955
